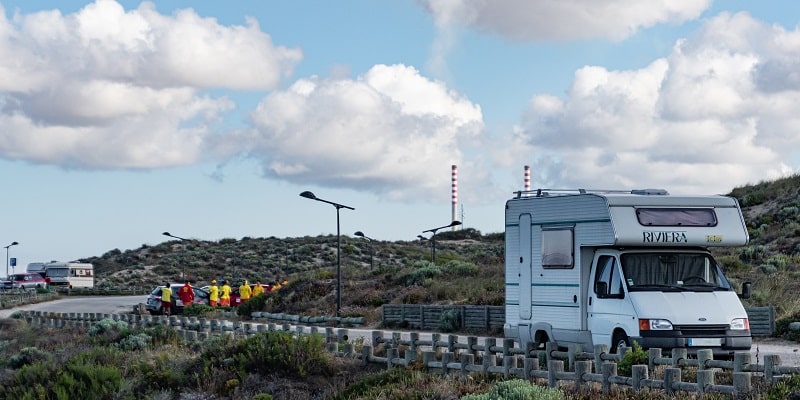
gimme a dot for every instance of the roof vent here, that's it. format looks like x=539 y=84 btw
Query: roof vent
x=650 y=192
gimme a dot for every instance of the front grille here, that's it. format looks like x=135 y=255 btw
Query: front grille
x=702 y=330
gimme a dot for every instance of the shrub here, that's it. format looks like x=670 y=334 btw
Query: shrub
x=637 y=356
x=517 y=389
x=450 y=321
x=137 y=342
x=160 y=372
x=461 y=268
x=27 y=356
x=421 y=270
x=106 y=325
x=198 y=310
x=274 y=352
x=784 y=389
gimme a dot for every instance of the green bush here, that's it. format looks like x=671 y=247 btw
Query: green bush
x=450 y=321
x=517 y=389
x=257 y=303
x=107 y=325
x=160 y=372
x=27 y=356
x=637 y=356
x=784 y=389
x=137 y=342
x=782 y=327
x=274 y=352
x=198 y=310
x=461 y=268
x=422 y=270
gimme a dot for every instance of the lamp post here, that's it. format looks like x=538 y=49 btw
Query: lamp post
x=310 y=195
x=12 y=244
x=371 y=249
x=181 y=239
x=433 y=237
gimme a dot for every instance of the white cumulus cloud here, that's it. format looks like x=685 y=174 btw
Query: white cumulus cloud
x=542 y=20
x=106 y=87
x=390 y=131
x=718 y=112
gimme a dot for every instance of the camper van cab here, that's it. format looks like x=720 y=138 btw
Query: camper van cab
x=618 y=267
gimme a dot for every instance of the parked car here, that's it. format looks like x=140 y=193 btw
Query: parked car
x=30 y=280
x=153 y=304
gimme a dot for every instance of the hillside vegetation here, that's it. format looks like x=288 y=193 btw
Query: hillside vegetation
x=468 y=269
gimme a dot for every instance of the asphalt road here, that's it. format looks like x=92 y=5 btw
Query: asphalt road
x=98 y=304
x=788 y=351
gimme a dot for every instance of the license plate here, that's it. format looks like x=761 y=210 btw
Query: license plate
x=705 y=342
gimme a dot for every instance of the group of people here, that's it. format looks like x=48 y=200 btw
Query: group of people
x=218 y=295
x=221 y=295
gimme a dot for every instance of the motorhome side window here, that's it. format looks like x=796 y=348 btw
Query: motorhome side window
x=676 y=216
x=557 y=248
x=608 y=277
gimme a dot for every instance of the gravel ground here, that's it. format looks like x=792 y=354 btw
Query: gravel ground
x=788 y=351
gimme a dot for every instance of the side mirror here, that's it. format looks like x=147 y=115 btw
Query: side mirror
x=746 y=288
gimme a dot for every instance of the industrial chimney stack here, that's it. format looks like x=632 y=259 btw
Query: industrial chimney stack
x=527 y=178
x=455 y=195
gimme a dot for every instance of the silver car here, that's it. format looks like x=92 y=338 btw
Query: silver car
x=153 y=304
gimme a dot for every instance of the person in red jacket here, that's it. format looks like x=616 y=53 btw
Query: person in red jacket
x=186 y=294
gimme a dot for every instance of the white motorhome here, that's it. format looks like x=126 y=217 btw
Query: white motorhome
x=617 y=267
x=69 y=274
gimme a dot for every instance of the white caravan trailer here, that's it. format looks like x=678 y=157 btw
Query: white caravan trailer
x=617 y=267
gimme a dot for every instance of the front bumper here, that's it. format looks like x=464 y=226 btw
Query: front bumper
x=727 y=344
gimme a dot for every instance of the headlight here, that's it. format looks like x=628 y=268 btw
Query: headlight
x=654 y=325
x=740 y=324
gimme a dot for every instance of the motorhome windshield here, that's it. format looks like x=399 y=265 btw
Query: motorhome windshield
x=58 y=272
x=674 y=271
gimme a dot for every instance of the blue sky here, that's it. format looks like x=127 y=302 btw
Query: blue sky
x=121 y=120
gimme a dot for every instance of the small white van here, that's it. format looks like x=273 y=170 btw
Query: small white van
x=617 y=267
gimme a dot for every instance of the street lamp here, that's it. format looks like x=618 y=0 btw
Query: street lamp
x=338 y=206
x=181 y=239
x=371 y=249
x=12 y=244
x=433 y=238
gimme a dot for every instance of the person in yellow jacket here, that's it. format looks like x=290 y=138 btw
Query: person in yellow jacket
x=225 y=297
x=213 y=293
x=166 y=299
x=258 y=289
x=245 y=291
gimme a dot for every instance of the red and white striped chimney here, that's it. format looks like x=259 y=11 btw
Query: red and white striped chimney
x=527 y=178
x=454 y=177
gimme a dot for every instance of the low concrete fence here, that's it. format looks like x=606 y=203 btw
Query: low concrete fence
x=428 y=317
x=762 y=320
x=15 y=298
x=322 y=320
x=464 y=355
x=104 y=291
x=492 y=318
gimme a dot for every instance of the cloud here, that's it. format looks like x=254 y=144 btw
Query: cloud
x=545 y=20
x=110 y=88
x=388 y=132
x=713 y=115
